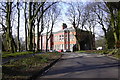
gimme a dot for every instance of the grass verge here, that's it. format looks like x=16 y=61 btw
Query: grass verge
x=110 y=52
x=7 y=54
x=26 y=67
x=80 y=51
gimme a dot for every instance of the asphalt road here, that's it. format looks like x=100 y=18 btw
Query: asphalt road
x=83 y=65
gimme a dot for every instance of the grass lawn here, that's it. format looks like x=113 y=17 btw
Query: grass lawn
x=110 y=52
x=26 y=67
x=80 y=51
x=8 y=54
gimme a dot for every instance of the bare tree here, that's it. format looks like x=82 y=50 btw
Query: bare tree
x=52 y=15
x=78 y=18
x=103 y=19
x=31 y=18
x=40 y=18
x=34 y=9
x=7 y=10
x=90 y=24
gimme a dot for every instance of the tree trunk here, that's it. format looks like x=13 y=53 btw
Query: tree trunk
x=41 y=42
x=18 y=41
x=9 y=30
x=38 y=35
x=90 y=38
x=30 y=36
x=76 y=35
x=25 y=27
x=115 y=25
x=78 y=41
x=119 y=22
x=34 y=45
x=105 y=33
x=118 y=42
x=47 y=41
x=46 y=45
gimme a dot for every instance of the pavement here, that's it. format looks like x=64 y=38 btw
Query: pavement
x=83 y=65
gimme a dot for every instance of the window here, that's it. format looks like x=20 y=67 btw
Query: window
x=62 y=37
x=59 y=37
x=72 y=37
x=56 y=38
x=66 y=46
x=55 y=47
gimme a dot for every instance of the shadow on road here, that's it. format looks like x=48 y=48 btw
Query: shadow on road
x=82 y=66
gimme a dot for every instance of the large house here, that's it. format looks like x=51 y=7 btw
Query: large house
x=65 y=40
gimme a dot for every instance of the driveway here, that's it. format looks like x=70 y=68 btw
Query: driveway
x=83 y=65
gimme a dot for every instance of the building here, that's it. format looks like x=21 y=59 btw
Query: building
x=65 y=40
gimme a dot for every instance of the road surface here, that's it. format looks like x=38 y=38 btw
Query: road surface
x=83 y=65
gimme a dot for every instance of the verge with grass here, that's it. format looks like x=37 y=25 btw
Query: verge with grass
x=110 y=52
x=8 y=54
x=80 y=51
x=26 y=67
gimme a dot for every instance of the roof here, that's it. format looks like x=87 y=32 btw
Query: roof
x=66 y=29
x=71 y=29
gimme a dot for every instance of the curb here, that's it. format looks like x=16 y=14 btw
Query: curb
x=112 y=57
x=34 y=76
x=105 y=55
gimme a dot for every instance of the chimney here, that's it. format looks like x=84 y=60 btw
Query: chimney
x=64 y=26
